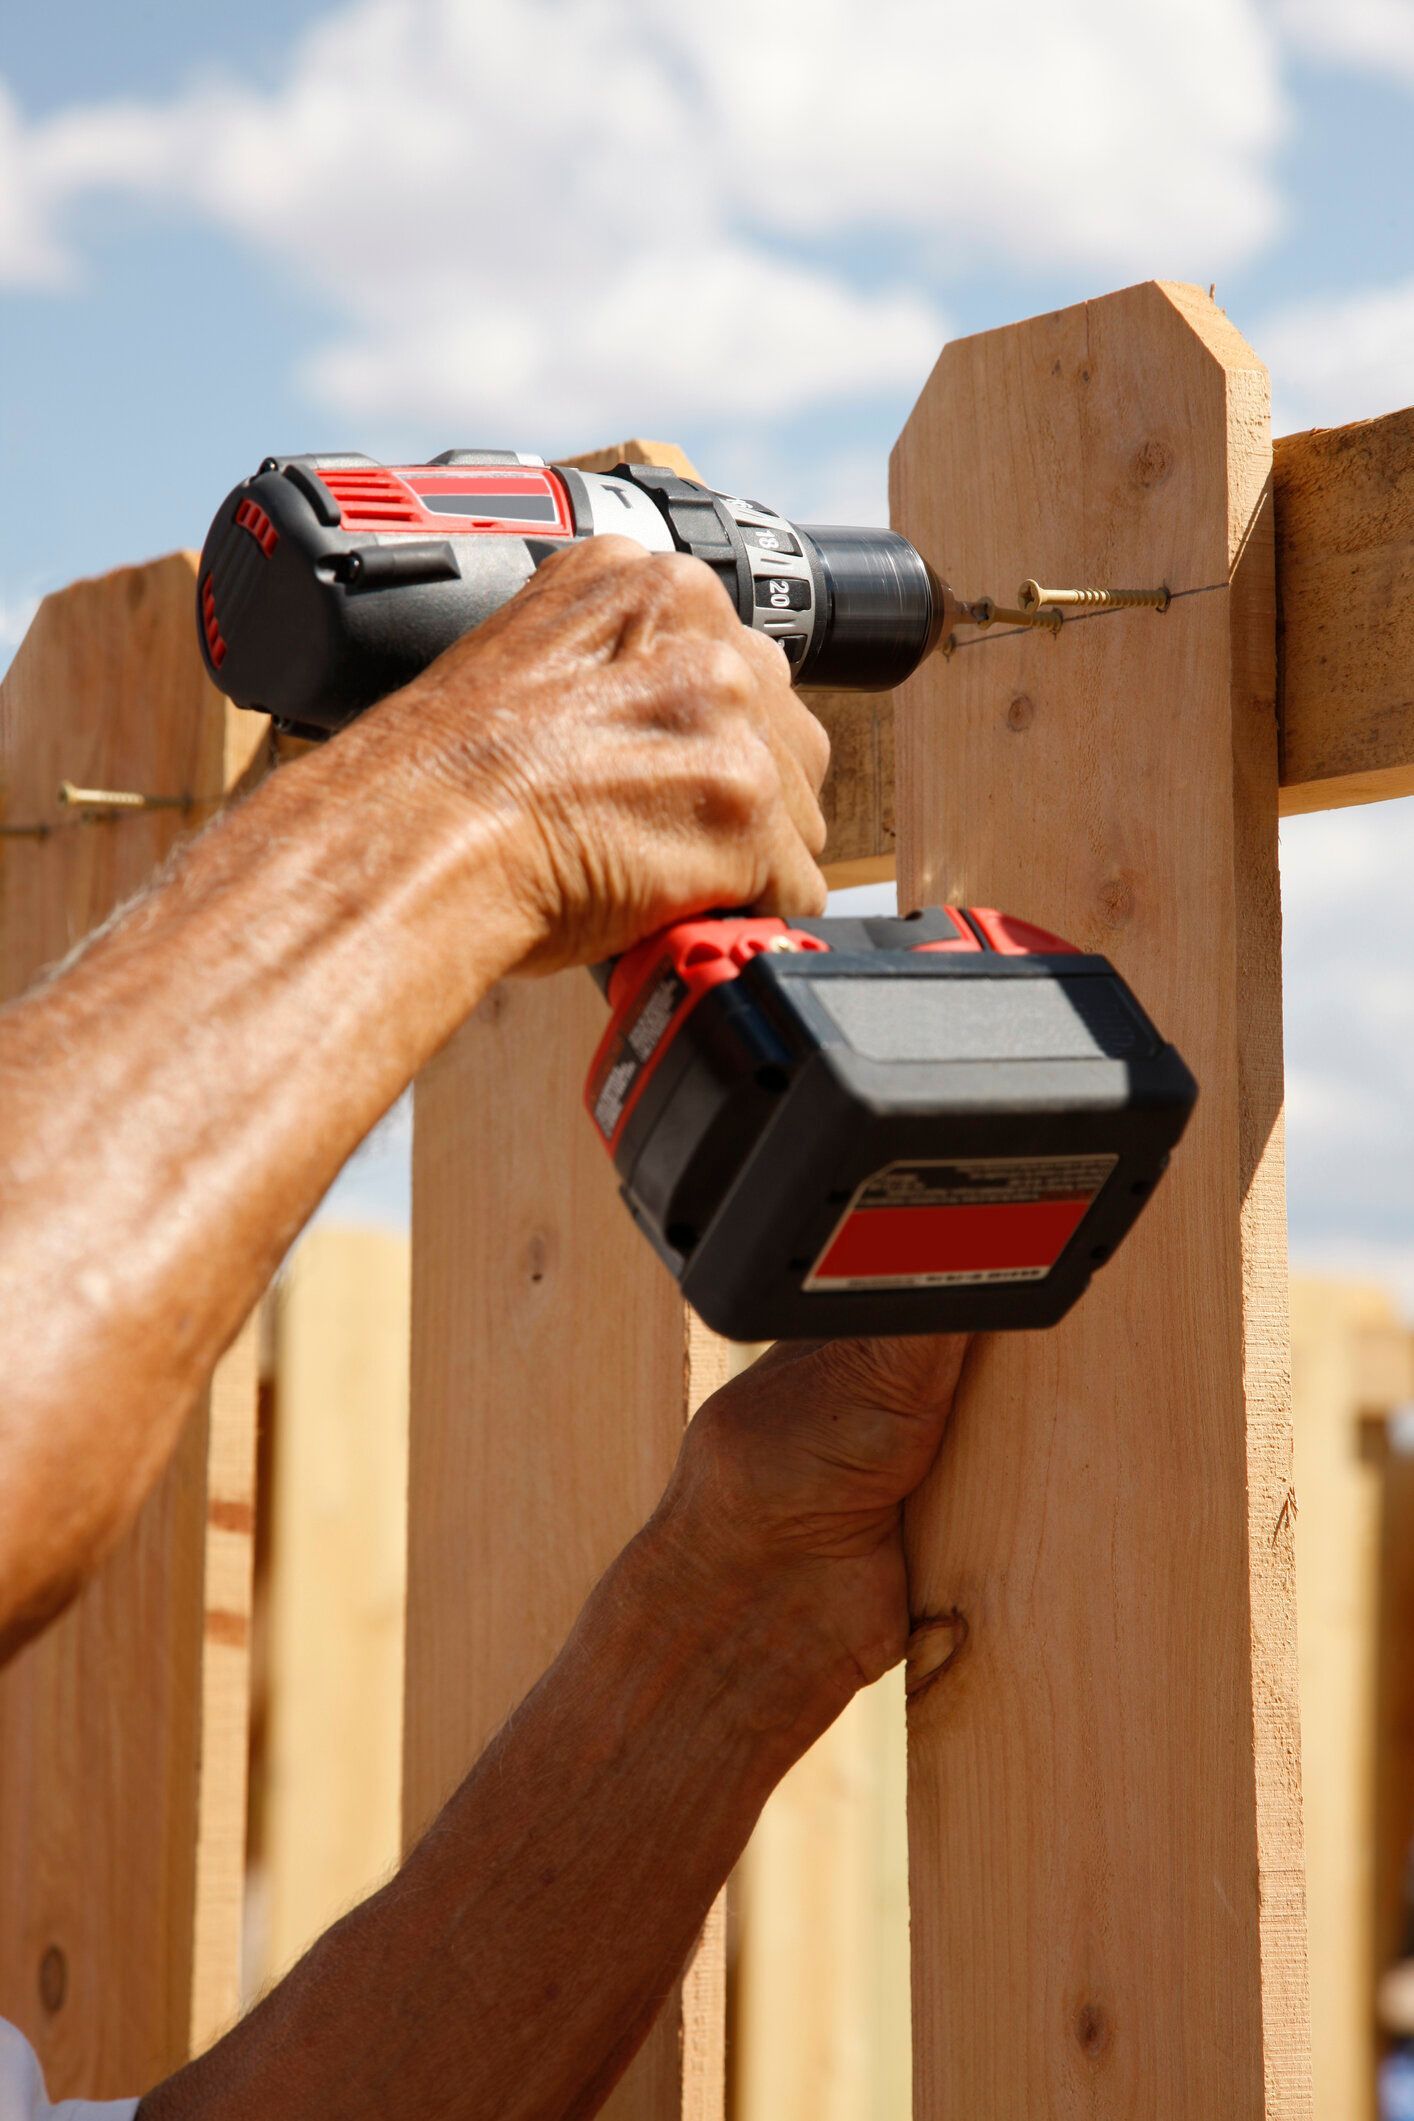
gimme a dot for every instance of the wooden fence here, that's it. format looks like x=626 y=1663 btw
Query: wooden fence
x=818 y=1991
x=1106 y=1875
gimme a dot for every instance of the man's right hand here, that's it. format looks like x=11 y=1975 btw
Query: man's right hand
x=639 y=749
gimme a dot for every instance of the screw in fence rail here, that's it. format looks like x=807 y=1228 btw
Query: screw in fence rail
x=119 y=799
x=988 y=612
x=1031 y=596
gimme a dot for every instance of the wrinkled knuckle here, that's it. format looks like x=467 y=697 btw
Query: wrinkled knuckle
x=847 y=1369
x=903 y=1376
x=741 y=791
x=608 y=553
x=693 y=585
x=681 y=710
x=724 y=675
x=769 y=659
x=815 y=831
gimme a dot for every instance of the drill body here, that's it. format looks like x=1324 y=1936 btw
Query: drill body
x=823 y=1127
x=329 y=581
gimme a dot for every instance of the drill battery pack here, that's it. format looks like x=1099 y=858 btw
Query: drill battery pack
x=943 y=1122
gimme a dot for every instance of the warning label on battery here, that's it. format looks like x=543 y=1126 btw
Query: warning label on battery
x=639 y=1037
x=938 y=1225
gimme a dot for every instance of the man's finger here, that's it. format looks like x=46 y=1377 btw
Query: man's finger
x=904 y=1372
x=796 y=885
x=908 y=1373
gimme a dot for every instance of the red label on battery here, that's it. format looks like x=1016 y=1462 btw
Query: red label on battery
x=938 y=1225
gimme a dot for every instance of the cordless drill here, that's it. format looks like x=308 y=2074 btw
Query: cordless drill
x=827 y=1127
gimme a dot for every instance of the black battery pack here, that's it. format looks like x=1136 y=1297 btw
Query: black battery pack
x=939 y=1123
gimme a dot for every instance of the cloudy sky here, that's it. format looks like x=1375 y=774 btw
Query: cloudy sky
x=398 y=225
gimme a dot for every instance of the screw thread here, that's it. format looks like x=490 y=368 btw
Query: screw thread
x=1031 y=595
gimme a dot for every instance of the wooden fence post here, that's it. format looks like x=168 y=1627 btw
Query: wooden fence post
x=554 y=1365
x=337 y=1582
x=123 y=1730
x=1104 y=1802
x=819 y=1995
x=1394 y=1725
x=1340 y=1415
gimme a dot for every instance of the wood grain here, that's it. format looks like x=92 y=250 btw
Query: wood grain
x=1104 y=1803
x=858 y=795
x=554 y=1366
x=1345 y=580
x=820 y=2030
x=1339 y=1481
x=337 y=1581
x=121 y=1833
x=1394 y=1741
x=1343 y=501
x=224 y=1752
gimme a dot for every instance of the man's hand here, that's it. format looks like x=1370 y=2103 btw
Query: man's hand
x=792 y=1480
x=514 y=1965
x=641 y=748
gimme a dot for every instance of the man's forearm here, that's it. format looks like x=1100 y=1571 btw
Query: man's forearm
x=610 y=750
x=513 y=1967
x=172 y=1109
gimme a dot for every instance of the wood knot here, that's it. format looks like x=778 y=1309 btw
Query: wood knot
x=1093 y=2030
x=1116 y=897
x=936 y=1642
x=1021 y=713
x=1153 y=461
x=53 y=1979
x=537 y=1257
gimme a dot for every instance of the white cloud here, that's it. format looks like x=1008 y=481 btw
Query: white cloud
x=1348 y=357
x=1071 y=138
x=1369 y=35
x=1347 y=878
x=647 y=347
x=31 y=254
x=531 y=212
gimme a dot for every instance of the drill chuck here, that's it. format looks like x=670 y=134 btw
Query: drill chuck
x=884 y=606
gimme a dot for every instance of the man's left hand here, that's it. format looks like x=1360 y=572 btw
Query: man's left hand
x=792 y=1480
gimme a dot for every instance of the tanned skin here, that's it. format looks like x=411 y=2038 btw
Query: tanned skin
x=612 y=751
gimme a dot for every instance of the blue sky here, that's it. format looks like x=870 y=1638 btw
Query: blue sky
x=188 y=333
x=403 y=224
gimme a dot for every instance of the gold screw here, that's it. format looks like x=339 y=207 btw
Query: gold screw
x=1031 y=596
x=987 y=612
x=118 y=799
